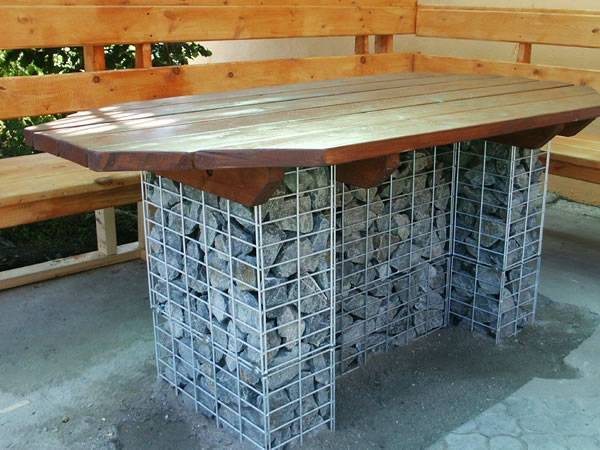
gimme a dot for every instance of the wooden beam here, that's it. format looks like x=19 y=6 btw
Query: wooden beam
x=66 y=266
x=384 y=44
x=361 y=45
x=49 y=94
x=249 y=187
x=141 y=228
x=571 y=129
x=524 y=52
x=106 y=231
x=450 y=64
x=569 y=28
x=57 y=26
x=575 y=171
x=368 y=173
x=347 y=3
x=143 y=55
x=535 y=138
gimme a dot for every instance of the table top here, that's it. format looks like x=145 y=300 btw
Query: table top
x=311 y=124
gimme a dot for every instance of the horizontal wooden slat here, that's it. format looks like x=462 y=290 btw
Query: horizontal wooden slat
x=56 y=26
x=577 y=151
x=570 y=28
x=449 y=64
x=367 y=3
x=313 y=109
x=43 y=177
x=345 y=124
x=66 y=266
x=49 y=94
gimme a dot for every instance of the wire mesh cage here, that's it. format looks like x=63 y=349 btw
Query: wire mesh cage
x=500 y=203
x=256 y=310
x=392 y=243
x=242 y=307
x=499 y=214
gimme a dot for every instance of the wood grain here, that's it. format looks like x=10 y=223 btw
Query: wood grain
x=315 y=124
x=58 y=26
x=569 y=28
x=450 y=64
x=49 y=94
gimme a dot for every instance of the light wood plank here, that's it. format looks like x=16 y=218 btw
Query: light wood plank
x=569 y=28
x=369 y=3
x=49 y=94
x=51 y=179
x=106 y=231
x=449 y=64
x=66 y=266
x=57 y=26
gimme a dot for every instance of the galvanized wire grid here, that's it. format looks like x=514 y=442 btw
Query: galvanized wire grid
x=500 y=204
x=392 y=244
x=241 y=300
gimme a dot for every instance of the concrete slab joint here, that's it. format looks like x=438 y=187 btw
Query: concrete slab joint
x=256 y=310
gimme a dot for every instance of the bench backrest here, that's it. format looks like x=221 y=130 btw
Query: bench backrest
x=96 y=23
x=526 y=27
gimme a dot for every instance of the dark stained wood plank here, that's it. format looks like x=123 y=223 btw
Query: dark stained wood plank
x=129 y=131
x=258 y=135
x=335 y=122
x=246 y=186
x=369 y=172
x=179 y=105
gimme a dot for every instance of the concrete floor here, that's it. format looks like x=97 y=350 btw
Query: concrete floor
x=77 y=369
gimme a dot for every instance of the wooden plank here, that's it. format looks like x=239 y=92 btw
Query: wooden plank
x=51 y=179
x=369 y=3
x=49 y=94
x=361 y=44
x=106 y=231
x=368 y=173
x=384 y=44
x=447 y=87
x=66 y=266
x=524 y=52
x=341 y=140
x=575 y=171
x=94 y=58
x=57 y=26
x=247 y=130
x=246 y=100
x=52 y=207
x=577 y=152
x=249 y=187
x=143 y=55
x=383 y=137
x=285 y=112
x=569 y=28
x=448 y=64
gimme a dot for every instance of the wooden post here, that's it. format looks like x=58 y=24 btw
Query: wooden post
x=524 y=53
x=384 y=43
x=143 y=59
x=106 y=225
x=361 y=45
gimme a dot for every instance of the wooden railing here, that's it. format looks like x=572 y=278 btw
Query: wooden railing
x=96 y=23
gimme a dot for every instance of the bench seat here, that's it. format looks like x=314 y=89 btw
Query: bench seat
x=41 y=187
x=577 y=157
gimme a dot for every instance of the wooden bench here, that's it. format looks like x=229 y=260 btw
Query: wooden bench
x=42 y=187
x=96 y=23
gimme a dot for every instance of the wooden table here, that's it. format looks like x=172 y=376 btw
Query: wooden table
x=314 y=124
x=294 y=272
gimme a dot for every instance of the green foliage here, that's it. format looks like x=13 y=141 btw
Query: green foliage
x=70 y=59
